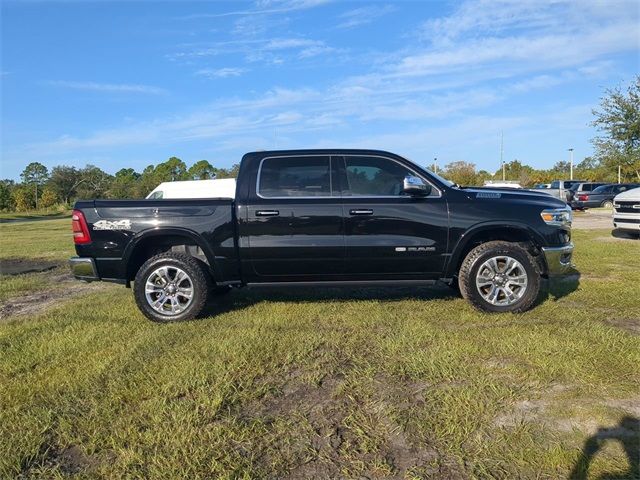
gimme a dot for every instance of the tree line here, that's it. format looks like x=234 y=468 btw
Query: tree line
x=41 y=188
x=616 y=149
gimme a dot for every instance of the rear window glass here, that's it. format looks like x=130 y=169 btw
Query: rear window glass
x=295 y=177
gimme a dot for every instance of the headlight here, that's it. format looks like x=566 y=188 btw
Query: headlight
x=560 y=217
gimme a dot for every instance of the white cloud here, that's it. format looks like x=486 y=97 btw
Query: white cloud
x=363 y=15
x=108 y=87
x=264 y=7
x=221 y=72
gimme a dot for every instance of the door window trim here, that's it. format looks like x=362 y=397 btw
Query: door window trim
x=433 y=187
x=304 y=197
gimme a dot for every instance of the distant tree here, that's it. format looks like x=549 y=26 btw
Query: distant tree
x=23 y=197
x=228 y=172
x=95 y=182
x=517 y=171
x=149 y=179
x=64 y=181
x=171 y=170
x=202 y=170
x=618 y=120
x=35 y=174
x=124 y=184
x=6 y=201
x=461 y=172
x=49 y=197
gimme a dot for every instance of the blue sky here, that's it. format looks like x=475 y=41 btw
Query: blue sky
x=127 y=84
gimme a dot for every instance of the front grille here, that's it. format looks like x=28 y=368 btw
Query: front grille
x=626 y=220
x=627 y=207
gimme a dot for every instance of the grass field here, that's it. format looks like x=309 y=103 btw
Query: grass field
x=406 y=383
x=50 y=213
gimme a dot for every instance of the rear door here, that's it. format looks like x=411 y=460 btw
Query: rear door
x=294 y=221
x=388 y=233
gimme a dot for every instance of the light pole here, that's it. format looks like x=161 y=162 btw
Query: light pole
x=435 y=164
x=571 y=164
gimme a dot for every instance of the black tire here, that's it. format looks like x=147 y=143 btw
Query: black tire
x=467 y=276
x=607 y=204
x=198 y=277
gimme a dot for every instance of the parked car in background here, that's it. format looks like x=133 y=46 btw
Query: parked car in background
x=626 y=211
x=602 y=196
x=580 y=188
x=539 y=186
x=222 y=188
x=560 y=189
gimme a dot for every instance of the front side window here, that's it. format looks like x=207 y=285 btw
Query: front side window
x=156 y=195
x=295 y=177
x=555 y=184
x=375 y=176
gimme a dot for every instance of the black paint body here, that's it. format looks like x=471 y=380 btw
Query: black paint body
x=319 y=239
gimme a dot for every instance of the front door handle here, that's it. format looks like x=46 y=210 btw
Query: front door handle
x=267 y=213
x=361 y=211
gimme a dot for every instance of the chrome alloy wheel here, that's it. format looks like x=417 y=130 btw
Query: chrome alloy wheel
x=501 y=280
x=169 y=290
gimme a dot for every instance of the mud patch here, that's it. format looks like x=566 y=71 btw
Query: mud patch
x=64 y=287
x=336 y=431
x=19 y=266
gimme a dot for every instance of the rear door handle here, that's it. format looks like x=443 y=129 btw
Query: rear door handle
x=267 y=213
x=361 y=211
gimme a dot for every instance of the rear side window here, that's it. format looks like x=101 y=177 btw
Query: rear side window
x=555 y=184
x=375 y=176
x=295 y=177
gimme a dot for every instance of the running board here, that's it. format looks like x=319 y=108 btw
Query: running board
x=347 y=283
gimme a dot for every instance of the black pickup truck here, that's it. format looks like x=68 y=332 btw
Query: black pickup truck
x=326 y=217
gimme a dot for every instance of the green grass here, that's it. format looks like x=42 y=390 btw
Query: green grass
x=47 y=239
x=55 y=212
x=338 y=383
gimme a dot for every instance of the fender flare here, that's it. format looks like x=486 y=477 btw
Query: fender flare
x=176 y=232
x=469 y=234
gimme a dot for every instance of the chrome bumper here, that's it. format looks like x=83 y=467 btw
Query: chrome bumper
x=559 y=260
x=84 y=269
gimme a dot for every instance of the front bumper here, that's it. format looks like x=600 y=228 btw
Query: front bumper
x=84 y=268
x=558 y=260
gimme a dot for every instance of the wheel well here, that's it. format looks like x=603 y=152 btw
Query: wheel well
x=513 y=235
x=154 y=245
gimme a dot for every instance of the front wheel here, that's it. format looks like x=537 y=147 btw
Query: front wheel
x=500 y=277
x=171 y=287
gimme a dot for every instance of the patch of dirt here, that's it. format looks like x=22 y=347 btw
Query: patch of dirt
x=71 y=460
x=631 y=325
x=339 y=434
x=18 y=266
x=66 y=287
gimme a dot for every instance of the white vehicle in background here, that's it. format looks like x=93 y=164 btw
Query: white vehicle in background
x=626 y=211
x=222 y=188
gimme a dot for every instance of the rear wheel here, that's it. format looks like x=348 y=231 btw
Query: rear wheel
x=171 y=287
x=607 y=204
x=500 y=277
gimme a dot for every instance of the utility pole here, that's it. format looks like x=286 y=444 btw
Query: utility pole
x=571 y=164
x=619 y=173
x=502 y=154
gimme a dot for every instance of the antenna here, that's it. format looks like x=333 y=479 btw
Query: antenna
x=502 y=153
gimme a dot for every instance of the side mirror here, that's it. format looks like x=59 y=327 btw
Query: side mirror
x=415 y=186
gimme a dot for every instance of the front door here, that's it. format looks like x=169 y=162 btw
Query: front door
x=388 y=233
x=294 y=223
